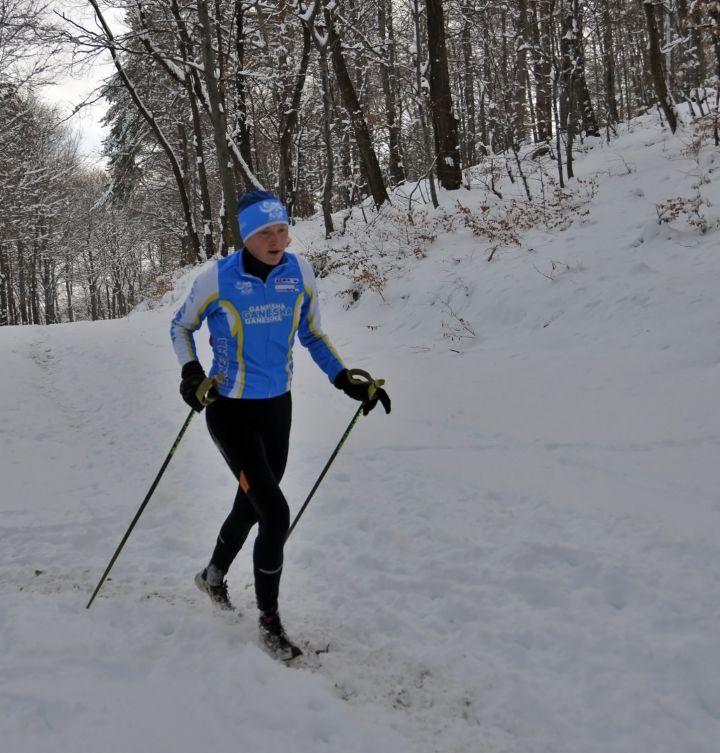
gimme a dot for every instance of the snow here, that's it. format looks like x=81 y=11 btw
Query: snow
x=524 y=557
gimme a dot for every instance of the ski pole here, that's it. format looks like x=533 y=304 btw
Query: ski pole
x=352 y=423
x=204 y=397
x=357 y=376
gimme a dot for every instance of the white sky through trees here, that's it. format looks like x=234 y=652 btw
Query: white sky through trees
x=81 y=78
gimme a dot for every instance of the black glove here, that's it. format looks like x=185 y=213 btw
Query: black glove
x=360 y=390
x=193 y=375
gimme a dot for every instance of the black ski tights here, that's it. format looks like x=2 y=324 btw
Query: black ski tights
x=253 y=436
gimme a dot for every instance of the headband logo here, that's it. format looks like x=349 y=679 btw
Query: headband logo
x=274 y=210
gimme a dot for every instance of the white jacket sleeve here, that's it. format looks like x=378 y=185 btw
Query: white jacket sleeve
x=190 y=315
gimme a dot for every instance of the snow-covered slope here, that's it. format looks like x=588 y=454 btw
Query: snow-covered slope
x=523 y=557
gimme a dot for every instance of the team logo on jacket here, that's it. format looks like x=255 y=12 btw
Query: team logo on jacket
x=244 y=286
x=220 y=348
x=287 y=284
x=266 y=313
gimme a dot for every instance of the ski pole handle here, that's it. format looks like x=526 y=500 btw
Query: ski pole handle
x=360 y=376
x=206 y=392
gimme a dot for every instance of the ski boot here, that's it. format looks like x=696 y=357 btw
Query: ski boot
x=214 y=586
x=275 y=639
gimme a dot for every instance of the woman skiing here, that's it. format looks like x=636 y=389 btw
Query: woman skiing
x=255 y=301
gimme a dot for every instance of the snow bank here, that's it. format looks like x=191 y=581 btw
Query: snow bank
x=522 y=558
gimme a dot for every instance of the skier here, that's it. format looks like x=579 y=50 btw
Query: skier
x=255 y=301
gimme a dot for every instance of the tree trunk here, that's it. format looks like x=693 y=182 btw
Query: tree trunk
x=588 y=120
x=447 y=149
x=688 y=22
x=35 y=317
x=470 y=152
x=92 y=285
x=714 y=11
x=556 y=96
x=12 y=306
x=289 y=123
x=502 y=84
x=656 y=66
x=49 y=293
x=192 y=80
x=346 y=167
x=609 y=63
x=422 y=99
x=23 y=309
x=69 y=288
x=566 y=71
x=218 y=118
x=522 y=34
x=575 y=95
x=241 y=111
x=542 y=67
x=329 y=157
x=352 y=105
x=205 y=201
x=389 y=85
x=4 y=285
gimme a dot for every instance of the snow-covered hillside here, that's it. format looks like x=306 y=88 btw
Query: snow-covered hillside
x=524 y=557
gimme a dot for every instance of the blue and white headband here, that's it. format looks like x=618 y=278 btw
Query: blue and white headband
x=260 y=215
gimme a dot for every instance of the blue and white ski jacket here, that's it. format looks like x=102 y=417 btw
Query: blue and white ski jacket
x=253 y=324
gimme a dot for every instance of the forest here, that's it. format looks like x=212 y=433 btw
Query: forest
x=339 y=107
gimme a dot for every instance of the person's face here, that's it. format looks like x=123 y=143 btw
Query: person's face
x=268 y=244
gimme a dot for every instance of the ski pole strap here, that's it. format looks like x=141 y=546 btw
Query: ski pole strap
x=206 y=392
x=360 y=376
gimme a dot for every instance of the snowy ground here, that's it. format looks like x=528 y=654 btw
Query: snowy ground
x=524 y=557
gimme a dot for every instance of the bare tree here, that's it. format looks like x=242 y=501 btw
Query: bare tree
x=447 y=149
x=162 y=139
x=656 y=66
x=218 y=110
x=388 y=74
x=351 y=103
x=28 y=47
x=290 y=111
